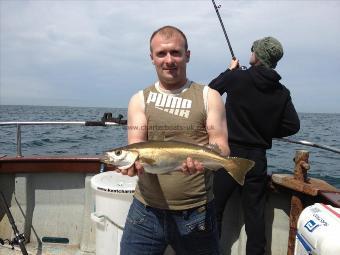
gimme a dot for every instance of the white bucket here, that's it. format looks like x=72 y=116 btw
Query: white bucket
x=113 y=196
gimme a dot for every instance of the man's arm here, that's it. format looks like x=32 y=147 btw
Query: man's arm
x=216 y=126
x=137 y=129
x=290 y=123
x=217 y=123
x=219 y=83
x=136 y=122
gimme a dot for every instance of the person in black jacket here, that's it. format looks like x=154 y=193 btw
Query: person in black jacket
x=258 y=108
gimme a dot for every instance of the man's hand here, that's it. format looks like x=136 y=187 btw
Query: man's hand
x=191 y=166
x=234 y=64
x=135 y=169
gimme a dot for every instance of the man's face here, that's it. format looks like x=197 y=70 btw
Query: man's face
x=170 y=59
x=253 y=59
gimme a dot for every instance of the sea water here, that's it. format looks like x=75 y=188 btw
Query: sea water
x=58 y=140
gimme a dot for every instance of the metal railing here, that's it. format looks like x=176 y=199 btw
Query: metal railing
x=18 y=125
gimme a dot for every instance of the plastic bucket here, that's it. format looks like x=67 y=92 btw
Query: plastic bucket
x=113 y=197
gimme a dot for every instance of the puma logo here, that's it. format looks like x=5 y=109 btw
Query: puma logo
x=171 y=104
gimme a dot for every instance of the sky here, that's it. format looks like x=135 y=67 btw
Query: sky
x=96 y=53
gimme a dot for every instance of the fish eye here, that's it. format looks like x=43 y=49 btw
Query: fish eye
x=118 y=152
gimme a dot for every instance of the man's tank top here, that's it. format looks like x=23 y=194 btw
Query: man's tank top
x=176 y=116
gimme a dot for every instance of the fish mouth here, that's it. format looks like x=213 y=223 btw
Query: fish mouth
x=105 y=159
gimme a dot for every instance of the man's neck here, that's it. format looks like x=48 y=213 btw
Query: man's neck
x=173 y=89
x=172 y=86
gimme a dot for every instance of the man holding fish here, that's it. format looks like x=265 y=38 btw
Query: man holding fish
x=167 y=135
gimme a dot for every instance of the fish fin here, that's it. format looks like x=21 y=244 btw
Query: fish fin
x=148 y=161
x=212 y=166
x=214 y=147
x=237 y=167
x=149 y=165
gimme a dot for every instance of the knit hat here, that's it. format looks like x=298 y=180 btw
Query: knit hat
x=268 y=50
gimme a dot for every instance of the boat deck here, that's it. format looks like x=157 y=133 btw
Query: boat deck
x=51 y=199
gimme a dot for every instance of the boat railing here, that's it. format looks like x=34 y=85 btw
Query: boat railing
x=107 y=120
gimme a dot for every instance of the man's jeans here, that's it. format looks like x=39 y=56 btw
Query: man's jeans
x=148 y=231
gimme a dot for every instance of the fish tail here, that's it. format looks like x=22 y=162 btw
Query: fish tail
x=237 y=168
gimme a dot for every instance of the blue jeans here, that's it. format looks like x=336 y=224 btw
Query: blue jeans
x=149 y=230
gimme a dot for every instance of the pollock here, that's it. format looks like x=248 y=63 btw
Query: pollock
x=161 y=157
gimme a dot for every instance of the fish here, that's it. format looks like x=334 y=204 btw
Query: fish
x=161 y=157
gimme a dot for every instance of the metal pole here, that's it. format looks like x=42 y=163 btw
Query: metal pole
x=307 y=143
x=223 y=28
x=95 y=123
x=19 y=154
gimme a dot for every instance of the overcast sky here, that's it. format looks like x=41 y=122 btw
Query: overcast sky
x=96 y=53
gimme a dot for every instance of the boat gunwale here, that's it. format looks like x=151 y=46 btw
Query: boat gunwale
x=92 y=164
x=48 y=164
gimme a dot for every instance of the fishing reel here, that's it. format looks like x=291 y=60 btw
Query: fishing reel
x=242 y=68
x=17 y=240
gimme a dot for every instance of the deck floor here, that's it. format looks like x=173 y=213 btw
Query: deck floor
x=50 y=249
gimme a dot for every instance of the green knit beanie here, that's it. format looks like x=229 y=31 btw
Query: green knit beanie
x=268 y=50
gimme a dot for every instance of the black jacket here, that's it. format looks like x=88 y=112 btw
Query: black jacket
x=258 y=106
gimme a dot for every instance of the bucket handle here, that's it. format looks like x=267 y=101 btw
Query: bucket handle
x=101 y=218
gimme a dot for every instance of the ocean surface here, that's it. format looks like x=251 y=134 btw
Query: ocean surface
x=318 y=128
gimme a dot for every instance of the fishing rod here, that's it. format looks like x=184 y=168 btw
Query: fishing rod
x=106 y=120
x=307 y=143
x=19 y=239
x=223 y=28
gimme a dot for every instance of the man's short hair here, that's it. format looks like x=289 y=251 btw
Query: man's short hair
x=168 y=32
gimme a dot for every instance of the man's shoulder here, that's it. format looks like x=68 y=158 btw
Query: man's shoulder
x=197 y=85
x=283 y=88
x=238 y=74
x=149 y=87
